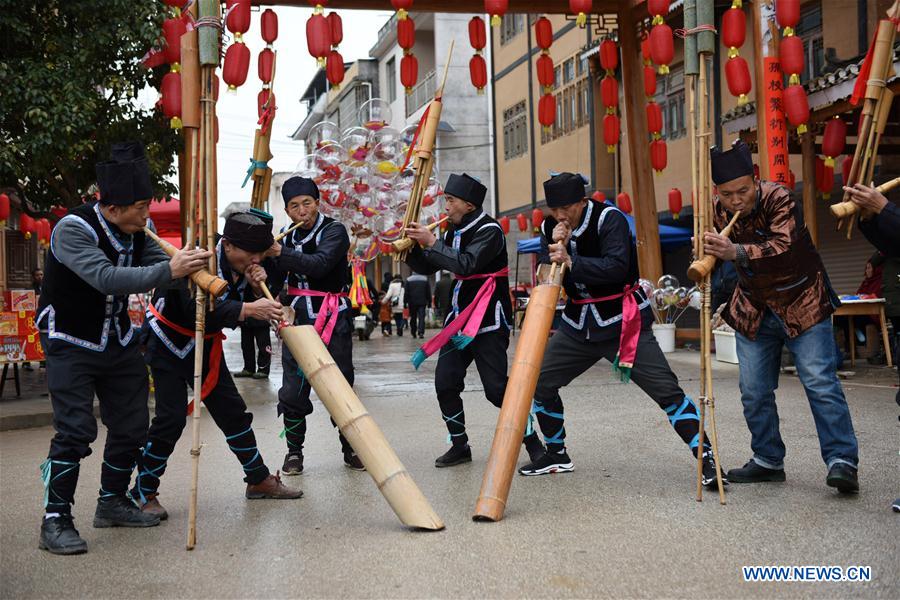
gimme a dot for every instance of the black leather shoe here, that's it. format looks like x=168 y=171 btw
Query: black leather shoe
x=843 y=477
x=59 y=536
x=119 y=511
x=456 y=455
x=754 y=473
x=534 y=447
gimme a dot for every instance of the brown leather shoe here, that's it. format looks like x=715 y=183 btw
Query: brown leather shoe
x=153 y=507
x=271 y=487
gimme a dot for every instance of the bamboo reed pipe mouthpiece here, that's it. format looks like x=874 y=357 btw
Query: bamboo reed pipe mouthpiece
x=404 y=244
x=842 y=210
x=204 y=279
x=701 y=268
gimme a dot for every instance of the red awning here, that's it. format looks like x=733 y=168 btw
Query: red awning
x=166 y=215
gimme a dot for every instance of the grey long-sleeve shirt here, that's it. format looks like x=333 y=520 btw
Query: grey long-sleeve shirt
x=74 y=246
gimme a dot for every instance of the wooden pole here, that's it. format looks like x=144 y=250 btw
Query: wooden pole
x=513 y=418
x=808 y=151
x=645 y=219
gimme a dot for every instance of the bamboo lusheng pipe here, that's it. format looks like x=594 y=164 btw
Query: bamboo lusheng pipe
x=405 y=244
x=702 y=267
x=523 y=376
x=357 y=426
x=842 y=210
x=204 y=279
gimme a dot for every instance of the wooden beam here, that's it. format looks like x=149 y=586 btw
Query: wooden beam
x=462 y=6
x=808 y=144
x=645 y=220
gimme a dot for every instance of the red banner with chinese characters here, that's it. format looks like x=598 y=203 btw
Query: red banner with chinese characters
x=776 y=125
x=19 y=339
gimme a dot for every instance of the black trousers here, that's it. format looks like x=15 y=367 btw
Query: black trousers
x=417 y=319
x=118 y=377
x=225 y=405
x=488 y=351
x=566 y=358
x=293 y=397
x=256 y=346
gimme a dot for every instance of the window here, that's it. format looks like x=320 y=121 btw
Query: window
x=515 y=131
x=571 y=88
x=670 y=97
x=511 y=25
x=809 y=29
x=391 y=79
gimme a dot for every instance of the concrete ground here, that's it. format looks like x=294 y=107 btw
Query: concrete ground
x=624 y=524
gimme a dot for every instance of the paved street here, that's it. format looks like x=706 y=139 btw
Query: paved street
x=624 y=524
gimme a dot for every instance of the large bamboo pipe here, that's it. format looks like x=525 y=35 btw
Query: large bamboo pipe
x=405 y=243
x=204 y=279
x=523 y=377
x=358 y=426
x=702 y=267
x=846 y=209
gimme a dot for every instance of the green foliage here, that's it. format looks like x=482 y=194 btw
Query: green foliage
x=71 y=74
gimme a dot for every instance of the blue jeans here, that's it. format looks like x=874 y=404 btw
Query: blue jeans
x=814 y=354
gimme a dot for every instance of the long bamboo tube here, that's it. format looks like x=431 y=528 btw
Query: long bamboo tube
x=513 y=418
x=208 y=282
x=846 y=209
x=358 y=426
x=702 y=267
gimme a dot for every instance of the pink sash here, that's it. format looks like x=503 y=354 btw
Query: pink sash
x=328 y=313
x=631 y=325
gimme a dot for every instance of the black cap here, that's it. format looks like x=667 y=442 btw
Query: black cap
x=248 y=232
x=728 y=166
x=125 y=179
x=299 y=186
x=563 y=189
x=465 y=187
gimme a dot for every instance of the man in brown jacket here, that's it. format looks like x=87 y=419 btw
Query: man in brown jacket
x=783 y=298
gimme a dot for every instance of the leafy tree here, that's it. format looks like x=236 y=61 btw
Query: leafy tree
x=71 y=72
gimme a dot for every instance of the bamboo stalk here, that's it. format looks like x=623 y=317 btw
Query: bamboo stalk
x=513 y=418
x=702 y=267
x=405 y=244
x=358 y=426
x=205 y=280
x=846 y=209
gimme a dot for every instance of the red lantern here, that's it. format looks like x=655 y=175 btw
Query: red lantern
x=537 y=217
x=790 y=53
x=734 y=30
x=649 y=82
x=522 y=221
x=675 y=203
x=269 y=26
x=406 y=33
x=26 y=225
x=609 y=93
x=547 y=110
x=409 y=71
x=827 y=183
x=261 y=98
x=834 y=139
x=658 y=8
x=334 y=68
x=654 y=118
x=544 y=66
x=238 y=19
x=173 y=29
x=478 y=72
x=580 y=8
x=496 y=8
x=662 y=47
x=236 y=67
x=318 y=37
x=598 y=196
x=787 y=13
x=796 y=106
x=543 y=33
x=645 y=50
x=611 y=132
x=845 y=169
x=737 y=75
x=402 y=7
x=44 y=231
x=658 y=155
x=171 y=98
x=477 y=35
x=609 y=55
x=4 y=209
x=336 y=27
x=623 y=201
x=264 y=65
x=504 y=224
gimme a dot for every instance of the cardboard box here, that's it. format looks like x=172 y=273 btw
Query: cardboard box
x=16 y=300
x=19 y=338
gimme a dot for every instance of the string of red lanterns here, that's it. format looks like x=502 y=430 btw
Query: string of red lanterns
x=334 y=64
x=170 y=87
x=265 y=100
x=734 y=33
x=237 y=57
x=406 y=39
x=543 y=34
x=318 y=33
x=662 y=44
x=790 y=53
x=609 y=94
x=477 y=66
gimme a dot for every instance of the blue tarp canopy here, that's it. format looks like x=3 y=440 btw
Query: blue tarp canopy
x=669 y=238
